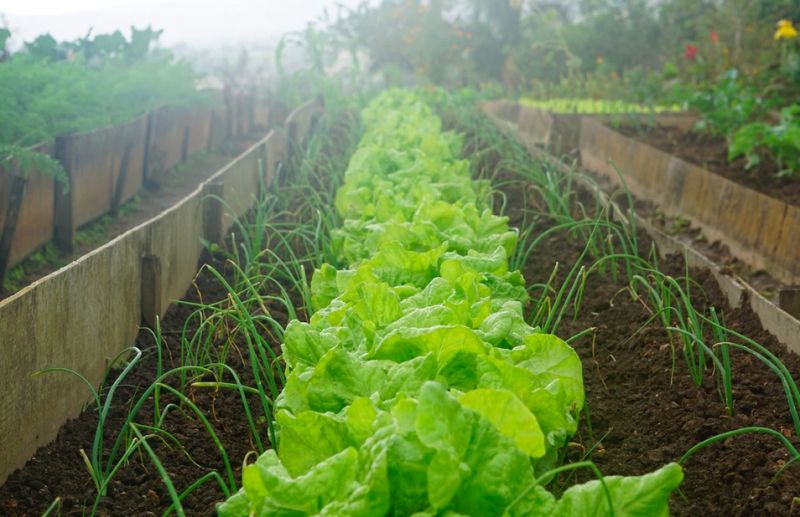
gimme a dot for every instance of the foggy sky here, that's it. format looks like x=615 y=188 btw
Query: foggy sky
x=195 y=22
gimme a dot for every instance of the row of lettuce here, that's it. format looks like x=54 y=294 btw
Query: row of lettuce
x=417 y=388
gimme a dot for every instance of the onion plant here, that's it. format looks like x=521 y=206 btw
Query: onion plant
x=55 y=506
x=103 y=466
x=272 y=250
x=269 y=255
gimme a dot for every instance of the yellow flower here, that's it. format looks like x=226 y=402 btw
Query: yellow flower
x=600 y=60
x=785 y=30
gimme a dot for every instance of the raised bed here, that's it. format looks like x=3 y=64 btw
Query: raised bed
x=712 y=153
x=643 y=414
x=559 y=133
x=87 y=312
x=761 y=231
x=175 y=133
x=641 y=417
x=108 y=166
x=141 y=485
x=35 y=223
x=105 y=169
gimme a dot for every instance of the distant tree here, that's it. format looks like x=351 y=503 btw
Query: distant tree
x=5 y=35
x=45 y=48
x=142 y=41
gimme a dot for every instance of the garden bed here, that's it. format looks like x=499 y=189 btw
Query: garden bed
x=176 y=184
x=760 y=230
x=641 y=414
x=130 y=280
x=711 y=152
x=644 y=411
x=57 y=470
x=183 y=446
x=559 y=132
x=641 y=417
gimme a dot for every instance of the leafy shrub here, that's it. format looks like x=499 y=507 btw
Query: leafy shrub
x=726 y=106
x=781 y=142
x=47 y=93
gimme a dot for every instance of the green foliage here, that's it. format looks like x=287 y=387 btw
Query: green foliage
x=98 y=48
x=45 y=48
x=736 y=110
x=726 y=106
x=622 y=33
x=43 y=100
x=408 y=39
x=19 y=160
x=595 y=107
x=633 y=50
x=417 y=387
x=781 y=141
x=53 y=89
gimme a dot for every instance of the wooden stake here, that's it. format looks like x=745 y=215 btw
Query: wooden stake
x=185 y=144
x=148 y=142
x=213 y=194
x=64 y=227
x=119 y=188
x=151 y=290
x=10 y=223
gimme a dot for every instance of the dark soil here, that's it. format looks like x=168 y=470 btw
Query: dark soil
x=57 y=476
x=642 y=413
x=57 y=470
x=711 y=152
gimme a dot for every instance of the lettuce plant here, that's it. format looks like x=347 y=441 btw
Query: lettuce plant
x=590 y=106
x=417 y=387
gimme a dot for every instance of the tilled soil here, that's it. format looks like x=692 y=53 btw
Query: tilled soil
x=643 y=413
x=711 y=152
x=57 y=470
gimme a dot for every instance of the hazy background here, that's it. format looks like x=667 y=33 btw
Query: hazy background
x=185 y=22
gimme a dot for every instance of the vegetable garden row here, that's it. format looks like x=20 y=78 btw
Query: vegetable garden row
x=416 y=372
x=417 y=387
